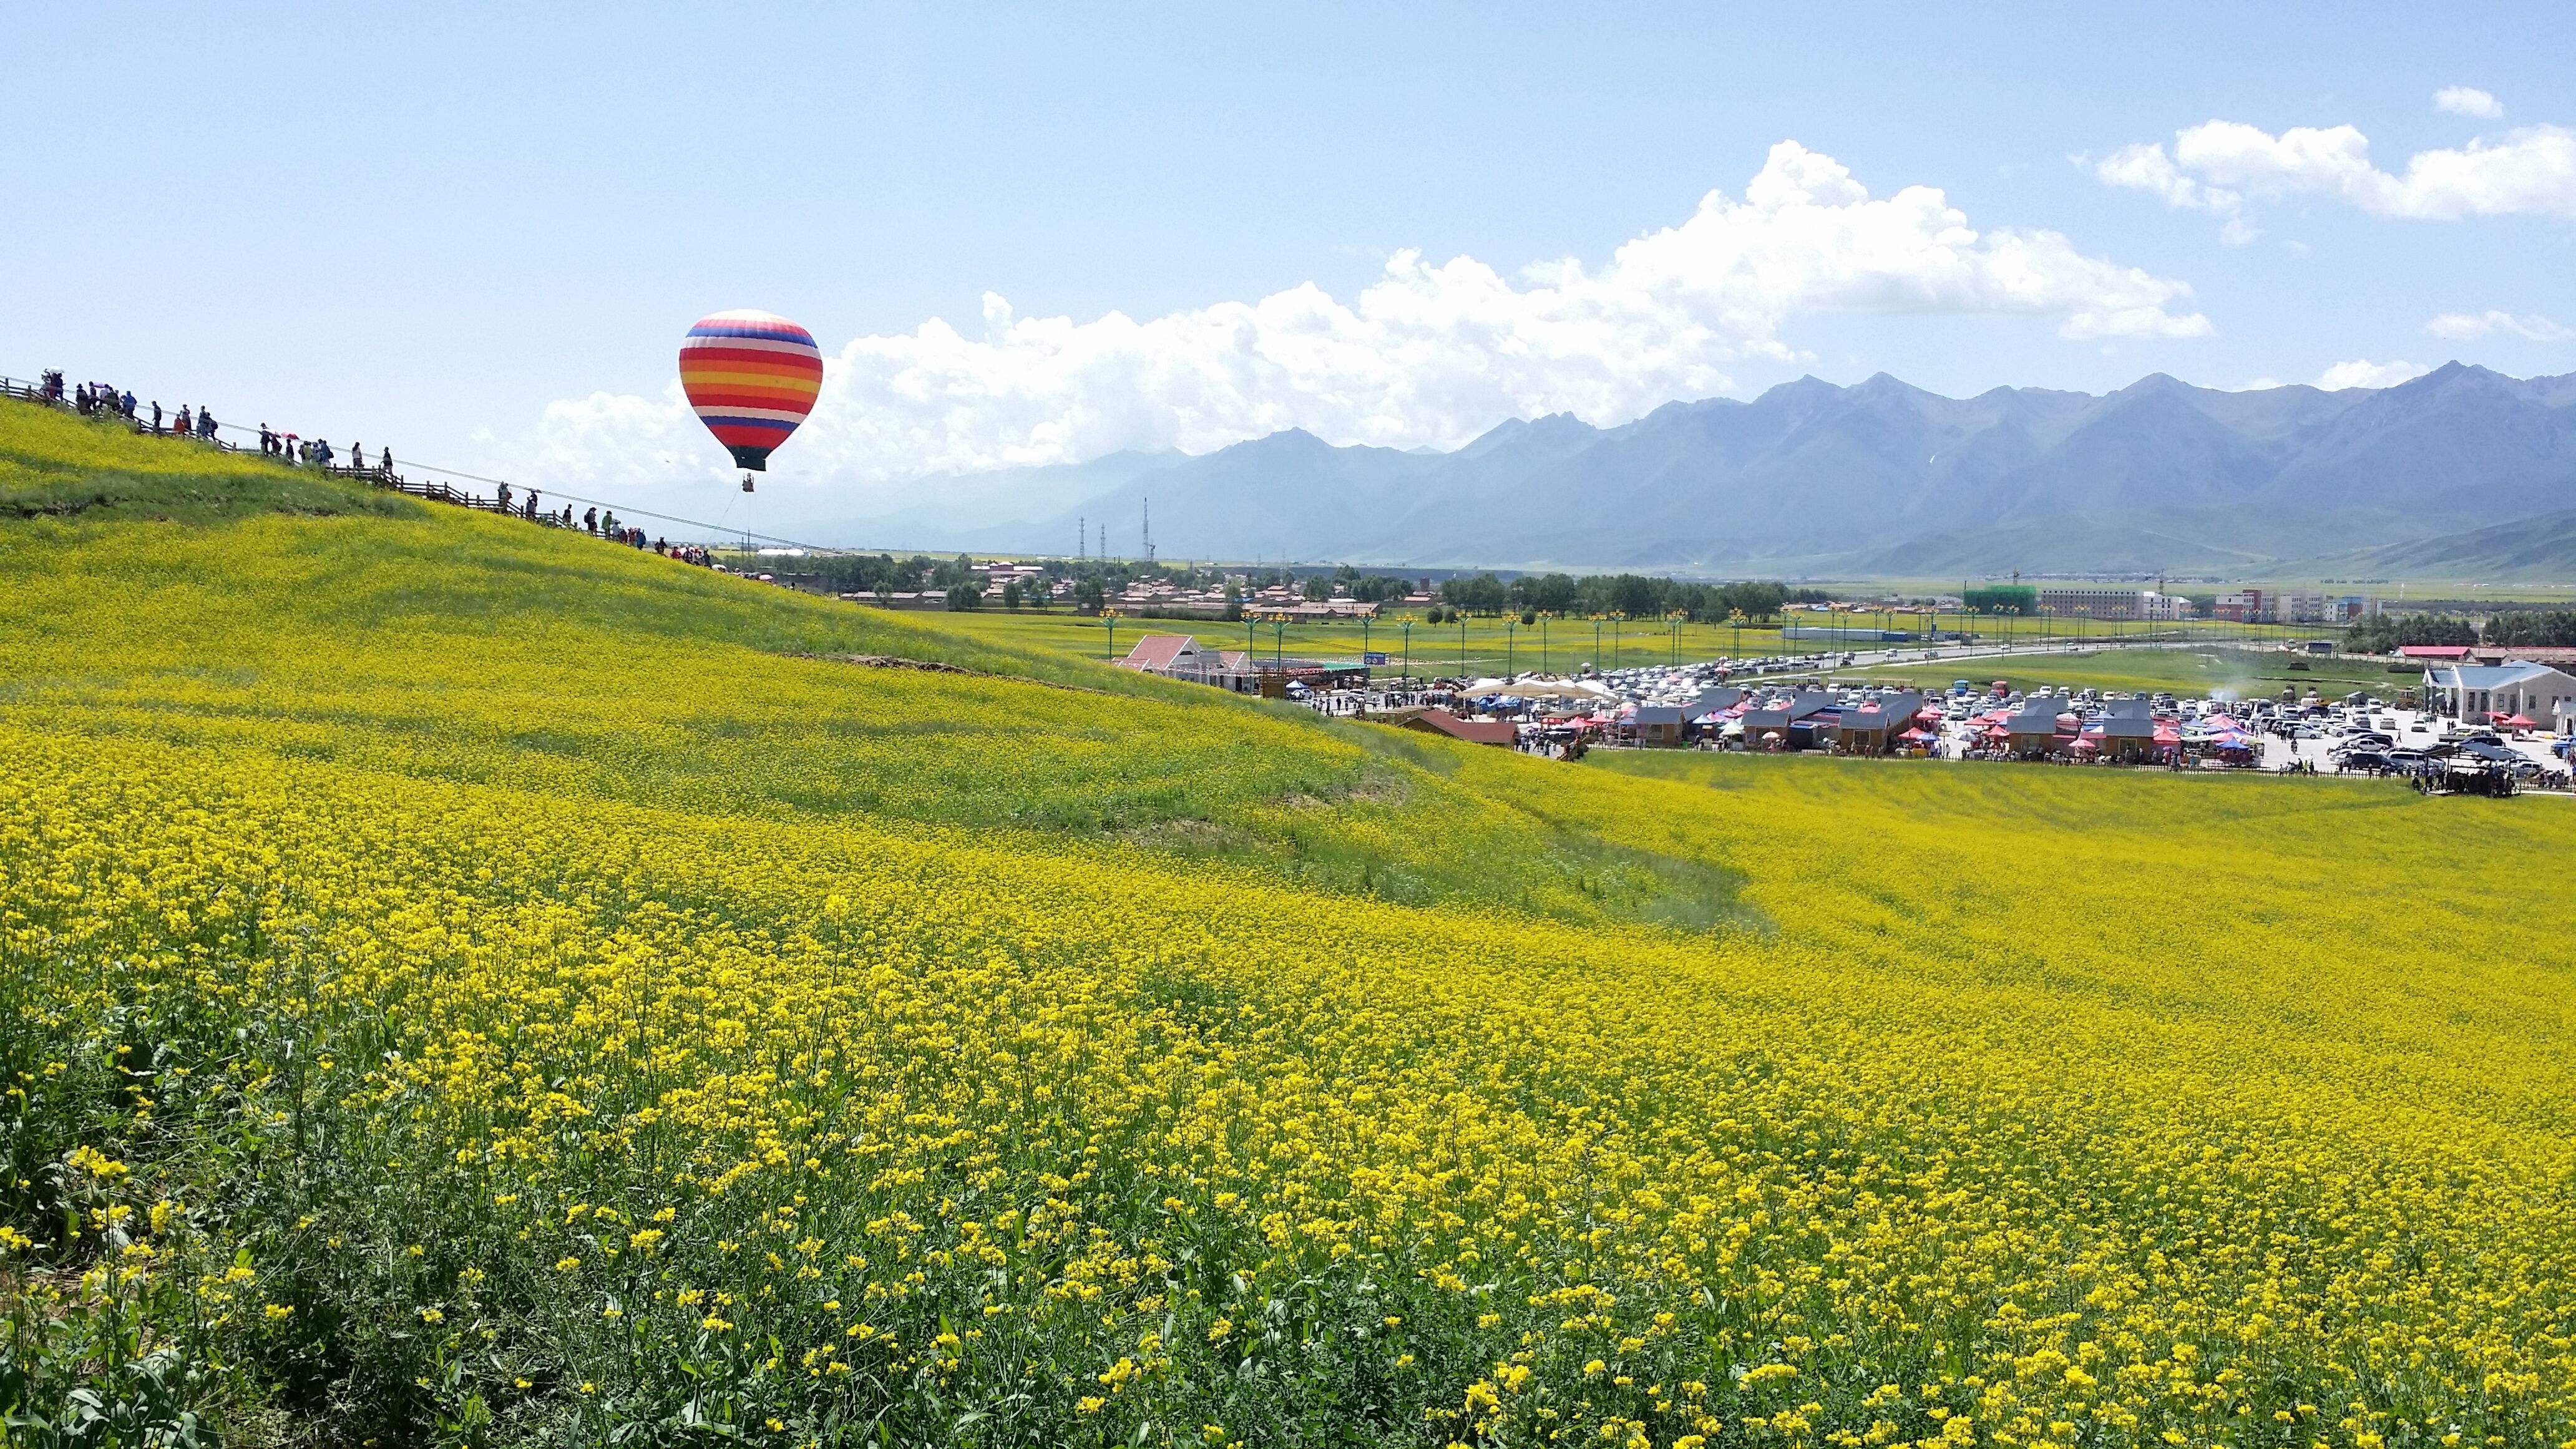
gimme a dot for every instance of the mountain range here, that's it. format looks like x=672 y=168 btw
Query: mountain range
x=1881 y=479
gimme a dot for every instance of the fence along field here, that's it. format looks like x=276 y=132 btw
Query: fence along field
x=469 y=984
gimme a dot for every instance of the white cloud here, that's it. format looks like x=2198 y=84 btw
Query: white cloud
x=2218 y=166
x=2468 y=101
x=1431 y=353
x=2146 y=167
x=2363 y=373
x=2469 y=326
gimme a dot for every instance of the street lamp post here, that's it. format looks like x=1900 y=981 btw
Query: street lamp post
x=1364 y=663
x=1511 y=642
x=1408 y=654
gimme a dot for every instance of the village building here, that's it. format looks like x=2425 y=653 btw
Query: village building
x=1871 y=727
x=1716 y=699
x=1173 y=656
x=2244 y=606
x=2480 y=692
x=2126 y=736
x=1791 y=723
x=2034 y=730
x=2106 y=601
x=1661 y=724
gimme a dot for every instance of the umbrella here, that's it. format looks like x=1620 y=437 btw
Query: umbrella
x=1915 y=735
x=1928 y=714
x=2515 y=722
x=2084 y=745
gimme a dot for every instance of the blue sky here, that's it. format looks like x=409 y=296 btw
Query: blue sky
x=479 y=233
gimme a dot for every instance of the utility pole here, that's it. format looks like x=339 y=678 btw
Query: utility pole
x=1149 y=530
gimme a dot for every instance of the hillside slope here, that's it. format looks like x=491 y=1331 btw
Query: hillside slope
x=467 y=983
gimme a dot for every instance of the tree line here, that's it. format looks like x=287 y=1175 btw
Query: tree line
x=1638 y=596
x=2386 y=633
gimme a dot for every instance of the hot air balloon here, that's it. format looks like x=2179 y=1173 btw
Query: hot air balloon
x=752 y=377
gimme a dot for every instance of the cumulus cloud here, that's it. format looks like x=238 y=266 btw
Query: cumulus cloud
x=2218 y=166
x=2469 y=326
x=2364 y=373
x=1430 y=353
x=2468 y=101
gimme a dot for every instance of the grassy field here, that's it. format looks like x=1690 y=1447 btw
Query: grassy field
x=471 y=984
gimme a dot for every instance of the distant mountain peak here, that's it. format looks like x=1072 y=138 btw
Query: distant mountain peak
x=1882 y=477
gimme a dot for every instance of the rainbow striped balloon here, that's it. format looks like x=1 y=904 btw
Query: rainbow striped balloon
x=752 y=376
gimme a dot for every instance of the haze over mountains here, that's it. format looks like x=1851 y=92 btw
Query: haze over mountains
x=1878 y=479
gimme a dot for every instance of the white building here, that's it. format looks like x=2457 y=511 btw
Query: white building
x=2306 y=609
x=2477 y=692
x=2095 y=599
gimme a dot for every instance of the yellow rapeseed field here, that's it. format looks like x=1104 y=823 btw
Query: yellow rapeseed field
x=468 y=985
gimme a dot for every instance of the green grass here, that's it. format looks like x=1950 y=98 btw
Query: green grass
x=58 y=464
x=525 y=991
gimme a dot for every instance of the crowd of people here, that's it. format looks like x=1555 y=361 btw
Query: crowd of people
x=318 y=452
x=93 y=399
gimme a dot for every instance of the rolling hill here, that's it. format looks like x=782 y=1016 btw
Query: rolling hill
x=463 y=982
x=2525 y=550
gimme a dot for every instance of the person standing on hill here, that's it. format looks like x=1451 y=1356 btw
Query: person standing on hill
x=126 y=404
x=590 y=519
x=385 y=461
x=530 y=511
x=505 y=498
x=156 y=415
x=186 y=424
x=205 y=423
x=357 y=455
